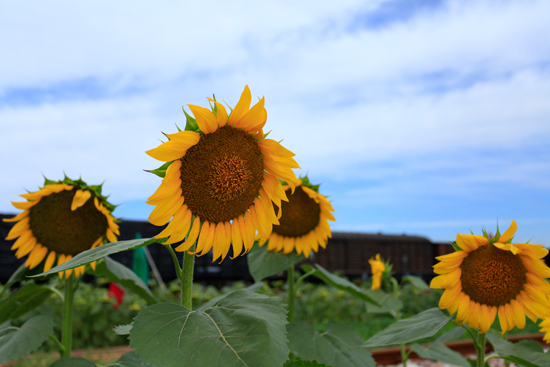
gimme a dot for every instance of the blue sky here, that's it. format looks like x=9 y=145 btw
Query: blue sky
x=419 y=117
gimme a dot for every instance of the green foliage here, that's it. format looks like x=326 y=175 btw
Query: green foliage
x=241 y=329
x=437 y=351
x=127 y=360
x=263 y=263
x=423 y=325
x=73 y=362
x=340 y=283
x=97 y=253
x=524 y=353
x=118 y=273
x=300 y=363
x=27 y=298
x=388 y=303
x=18 y=342
x=338 y=346
x=161 y=171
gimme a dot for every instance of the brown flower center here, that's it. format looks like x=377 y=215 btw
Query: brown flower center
x=57 y=227
x=301 y=214
x=492 y=276
x=222 y=174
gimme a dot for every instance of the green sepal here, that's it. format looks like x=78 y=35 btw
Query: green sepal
x=191 y=123
x=161 y=171
x=456 y=247
x=95 y=189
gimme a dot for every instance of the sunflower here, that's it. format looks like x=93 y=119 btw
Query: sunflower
x=220 y=179
x=303 y=220
x=60 y=220
x=490 y=276
x=377 y=268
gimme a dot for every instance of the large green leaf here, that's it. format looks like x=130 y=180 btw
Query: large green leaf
x=416 y=282
x=388 y=303
x=439 y=352
x=522 y=353
x=340 y=283
x=24 y=300
x=241 y=329
x=16 y=343
x=263 y=263
x=123 y=329
x=453 y=334
x=252 y=288
x=338 y=346
x=304 y=364
x=118 y=273
x=423 y=325
x=129 y=359
x=73 y=362
x=97 y=253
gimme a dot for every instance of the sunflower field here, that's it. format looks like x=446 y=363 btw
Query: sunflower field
x=227 y=189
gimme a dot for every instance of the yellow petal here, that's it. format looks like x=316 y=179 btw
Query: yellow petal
x=25 y=248
x=470 y=242
x=463 y=308
x=24 y=238
x=503 y=320
x=174 y=223
x=182 y=224
x=167 y=189
x=186 y=139
x=509 y=232
x=452 y=278
x=163 y=212
x=24 y=205
x=193 y=234
x=271 y=147
x=111 y=236
x=36 y=256
x=209 y=242
x=18 y=229
x=80 y=198
x=241 y=108
x=49 y=261
x=534 y=251
x=518 y=314
x=18 y=217
x=221 y=114
x=205 y=119
x=236 y=238
x=288 y=244
x=450 y=297
x=437 y=282
x=246 y=232
x=253 y=117
x=475 y=313
x=167 y=152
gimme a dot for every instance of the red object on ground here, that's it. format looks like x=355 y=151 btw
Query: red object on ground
x=116 y=292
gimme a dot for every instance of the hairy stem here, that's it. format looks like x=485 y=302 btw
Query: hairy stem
x=67 y=326
x=291 y=293
x=187 y=279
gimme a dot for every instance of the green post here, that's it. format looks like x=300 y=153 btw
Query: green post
x=139 y=262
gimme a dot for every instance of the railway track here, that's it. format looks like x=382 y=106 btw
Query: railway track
x=386 y=356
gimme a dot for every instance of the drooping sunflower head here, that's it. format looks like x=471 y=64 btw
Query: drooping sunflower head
x=377 y=268
x=490 y=276
x=303 y=220
x=59 y=221
x=220 y=178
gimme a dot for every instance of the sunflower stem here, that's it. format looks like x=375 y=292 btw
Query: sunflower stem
x=187 y=279
x=67 y=326
x=404 y=355
x=481 y=351
x=60 y=347
x=291 y=293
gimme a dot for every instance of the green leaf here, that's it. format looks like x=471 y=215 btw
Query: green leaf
x=97 y=253
x=439 y=352
x=129 y=359
x=241 y=329
x=417 y=282
x=524 y=354
x=338 y=346
x=251 y=288
x=123 y=329
x=453 y=334
x=340 y=283
x=455 y=246
x=423 y=325
x=118 y=273
x=161 y=171
x=304 y=364
x=263 y=263
x=16 y=343
x=388 y=303
x=73 y=362
x=27 y=298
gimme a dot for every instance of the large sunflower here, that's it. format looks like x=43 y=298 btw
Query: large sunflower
x=491 y=276
x=59 y=221
x=303 y=220
x=377 y=268
x=222 y=175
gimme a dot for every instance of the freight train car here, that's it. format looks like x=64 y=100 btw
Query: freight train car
x=346 y=252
